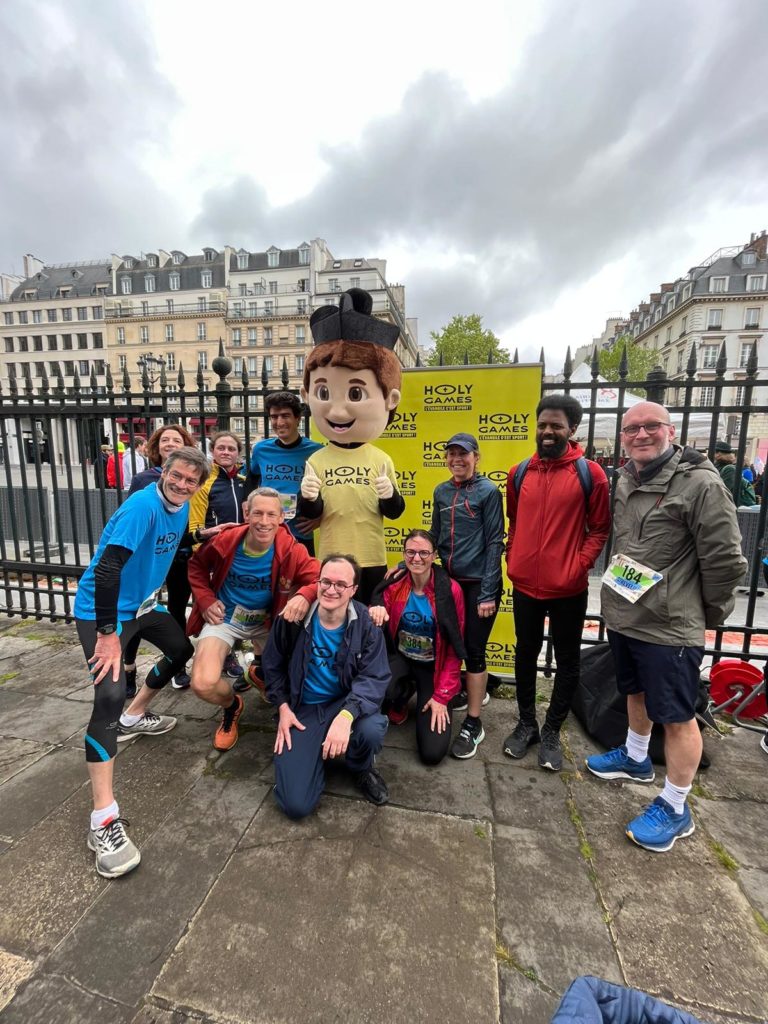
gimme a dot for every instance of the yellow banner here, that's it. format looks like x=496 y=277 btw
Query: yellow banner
x=495 y=403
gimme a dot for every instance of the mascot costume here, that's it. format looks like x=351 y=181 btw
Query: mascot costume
x=352 y=386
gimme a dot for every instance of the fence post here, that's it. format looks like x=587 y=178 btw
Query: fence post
x=222 y=366
x=656 y=385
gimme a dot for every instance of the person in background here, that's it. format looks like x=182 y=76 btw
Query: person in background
x=468 y=532
x=279 y=461
x=134 y=460
x=423 y=609
x=115 y=464
x=725 y=460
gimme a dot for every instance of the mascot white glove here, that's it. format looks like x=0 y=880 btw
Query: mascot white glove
x=310 y=483
x=383 y=485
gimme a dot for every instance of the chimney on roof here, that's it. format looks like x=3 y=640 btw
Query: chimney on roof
x=32 y=265
x=759 y=245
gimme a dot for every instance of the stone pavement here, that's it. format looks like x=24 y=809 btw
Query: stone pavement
x=477 y=894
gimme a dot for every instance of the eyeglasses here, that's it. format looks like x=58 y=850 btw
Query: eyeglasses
x=335 y=585
x=423 y=555
x=179 y=478
x=649 y=428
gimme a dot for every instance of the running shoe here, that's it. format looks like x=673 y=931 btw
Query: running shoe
x=617 y=764
x=147 y=725
x=469 y=739
x=227 y=733
x=659 y=827
x=115 y=853
x=523 y=736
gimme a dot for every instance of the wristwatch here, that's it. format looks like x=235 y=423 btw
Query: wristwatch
x=106 y=630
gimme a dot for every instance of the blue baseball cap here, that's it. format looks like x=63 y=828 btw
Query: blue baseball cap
x=465 y=441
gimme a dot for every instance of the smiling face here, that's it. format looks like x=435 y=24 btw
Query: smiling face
x=170 y=440
x=335 y=598
x=284 y=424
x=552 y=433
x=650 y=432
x=180 y=481
x=461 y=463
x=264 y=516
x=348 y=405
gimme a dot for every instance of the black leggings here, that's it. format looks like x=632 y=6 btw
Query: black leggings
x=177 y=585
x=161 y=630
x=476 y=630
x=410 y=675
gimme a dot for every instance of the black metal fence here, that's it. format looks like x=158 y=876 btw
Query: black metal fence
x=54 y=500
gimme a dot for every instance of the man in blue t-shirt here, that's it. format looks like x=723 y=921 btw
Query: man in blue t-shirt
x=327 y=676
x=279 y=461
x=117 y=601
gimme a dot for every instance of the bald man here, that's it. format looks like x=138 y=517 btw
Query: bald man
x=675 y=567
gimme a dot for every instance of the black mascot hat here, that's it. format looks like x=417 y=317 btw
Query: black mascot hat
x=351 y=320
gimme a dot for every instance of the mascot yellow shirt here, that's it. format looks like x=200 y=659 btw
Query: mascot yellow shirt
x=351 y=521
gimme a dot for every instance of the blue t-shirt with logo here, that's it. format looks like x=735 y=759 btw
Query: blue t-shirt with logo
x=416 y=630
x=247 y=590
x=152 y=530
x=282 y=466
x=322 y=683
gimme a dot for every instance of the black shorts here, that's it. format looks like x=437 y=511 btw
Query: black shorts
x=667 y=676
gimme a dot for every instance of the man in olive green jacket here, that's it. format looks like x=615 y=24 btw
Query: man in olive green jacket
x=676 y=563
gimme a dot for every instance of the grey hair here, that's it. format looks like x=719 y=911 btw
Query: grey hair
x=264 y=492
x=193 y=457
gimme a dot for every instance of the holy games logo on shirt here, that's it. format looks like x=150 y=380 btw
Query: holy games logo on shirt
x=403 y=425
x=322 y=655
x=282 y=471
x=166 y=542
x=406 y=482
x=346 y=475
x=503 y=426
x=248 y=581
x=447 y=397
x=413 y=620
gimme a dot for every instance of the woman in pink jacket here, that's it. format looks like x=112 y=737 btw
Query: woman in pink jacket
x=423 y=609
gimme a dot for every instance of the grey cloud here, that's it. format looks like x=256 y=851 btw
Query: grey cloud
x=621 y=120
x=81 y=95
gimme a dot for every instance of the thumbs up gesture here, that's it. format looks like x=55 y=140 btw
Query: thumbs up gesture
x=383 y=485
x=310 y=483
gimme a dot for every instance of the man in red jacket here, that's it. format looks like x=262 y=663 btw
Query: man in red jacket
x=241 y=581
x=557 y=506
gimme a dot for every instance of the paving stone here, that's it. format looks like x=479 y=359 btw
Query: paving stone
x=14 y=971
x=40 y=718
x=522 y=1000
x=155 y=1015
x=16 y=755
x=119 y=948
x=55 y=672
x=754 y=882
x=738 y=769
x=526 y=795
x=716 y=921
x=549 y=917
x=315 y=897
x=741 y=827
x=32 y=794
x=49 y=998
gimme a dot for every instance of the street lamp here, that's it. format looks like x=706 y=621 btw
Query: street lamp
x=152 y=367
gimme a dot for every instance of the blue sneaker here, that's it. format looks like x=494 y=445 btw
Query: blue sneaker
x=617 y=764
x=659 y=827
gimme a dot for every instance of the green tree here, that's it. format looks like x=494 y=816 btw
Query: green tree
x=639 y=360
x=465 y=335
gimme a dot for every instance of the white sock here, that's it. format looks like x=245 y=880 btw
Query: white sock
x=130 y=719
x=675 y=795
x=637 y=746
x=104 y=814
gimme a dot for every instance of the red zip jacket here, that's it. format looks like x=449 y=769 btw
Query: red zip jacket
x=554 y=535
x=294 y=571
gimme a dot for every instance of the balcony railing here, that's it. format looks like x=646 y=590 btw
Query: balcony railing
x=125 y=312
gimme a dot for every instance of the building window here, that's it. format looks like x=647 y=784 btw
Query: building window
x=53 y=316
x=302 y=285
x=714 y=318
x=269 y=307
x=97 y=312
x=174 y=281
x=37 y=316
x=670 y=305
x=237 y=308
x=745 y=351
x=707 y=396
x=300 y=334
x=273 y=258
x=669 y=336
x=739 y=399
x=756 y=282
x=82 y=341
x=680 y=360
x=84 y=367
x=209 y=255
x=120 y=335
x=206 y=279
x=122 y=362
x=304 y=255
x=69 y=368
x=242 y=289
x=709 y=356
x=149 y=282
x=267 y=335
x=169 y=305
x=269 y=364
x=9 y=344
x=202 y=360
x=53 y=342
x=98 y=341
x=683 y=326
x=253 y=309
x=201 y=331
x=242 y=261
x=299 y=364
x=177 y=258
x=151 y=260
x=23 y=319
x=144 y=335
x=9 y=319
x=748 y=258
x=252 y=364
x=169 y=332
x=657 y=315
x=236 y=336
x=333 y=284
x=23 y=344
x=125 y=285
x=718 y=284
x=273 y=287
x=37 y=343
x=82 y=312
x=251 y=335
x=53 y=369
x=752 y=317
x=202 y=304
x=237 y=364
x=687 y=292
x=66 y=341
x=170 y=361
x=301 y=306
x=145 y=309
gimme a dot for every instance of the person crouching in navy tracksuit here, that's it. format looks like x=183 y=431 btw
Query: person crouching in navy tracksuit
x=327 y=676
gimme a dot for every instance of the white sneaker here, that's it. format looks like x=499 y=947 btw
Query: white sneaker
x=115 y=853
x=147 y=725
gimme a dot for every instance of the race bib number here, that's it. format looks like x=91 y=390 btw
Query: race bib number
x=248 y=616
x=629 y=578
x=416 y=646
x=147 y=605
x=288 y=501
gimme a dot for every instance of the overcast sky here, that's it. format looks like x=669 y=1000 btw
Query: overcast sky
x=546 y=166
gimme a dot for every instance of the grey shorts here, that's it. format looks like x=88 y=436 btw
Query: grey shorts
x=231 y=634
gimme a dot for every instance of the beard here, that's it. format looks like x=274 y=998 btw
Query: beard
x=553 y=451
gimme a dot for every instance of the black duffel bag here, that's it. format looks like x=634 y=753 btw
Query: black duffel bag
x=602 y=710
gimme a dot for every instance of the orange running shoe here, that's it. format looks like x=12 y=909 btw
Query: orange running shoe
x=226 y=735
